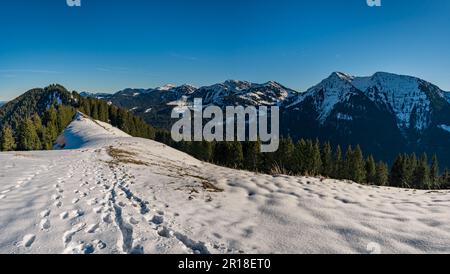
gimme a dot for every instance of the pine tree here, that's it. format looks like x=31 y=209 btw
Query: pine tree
x=299 y=163
x=316 y=165
x=28 y=138
x=347 y=166
x=445 y=179
x=37 y=122
x=410 y=164
x=235 y=154
x=284 y=155
x=51 y=124
x=371 y=170
x=356 y=165
x=382 y=174
x=398 y=177
x=252 y=156
x=338 y=171
x=327 y=160
x=422 y=173
x=7 y=141
x=434 y=173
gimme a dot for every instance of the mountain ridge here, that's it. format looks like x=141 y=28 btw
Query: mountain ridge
x=386 y=113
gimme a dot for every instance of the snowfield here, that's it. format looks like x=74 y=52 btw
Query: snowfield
x=107 y=192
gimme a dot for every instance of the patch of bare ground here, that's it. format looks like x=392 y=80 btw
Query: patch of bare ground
x=121 y=156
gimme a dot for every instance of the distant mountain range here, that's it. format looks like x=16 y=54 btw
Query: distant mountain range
x=2 y=103
x=155 y=105
x=385 y=113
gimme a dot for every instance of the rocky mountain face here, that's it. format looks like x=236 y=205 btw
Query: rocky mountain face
x=385 y=113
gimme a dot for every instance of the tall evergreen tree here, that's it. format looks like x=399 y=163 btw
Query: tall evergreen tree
x=285 y=153
x=371 y=170
x=338 y=171
x=434 y=172
x=398 y=174
x=7 y=141
x=356 y=166
x=300 y=157
x=381 y=175
x=28 y=138
x=252 y=156
x=422 y=173
x=327 y=160
x=316 y=164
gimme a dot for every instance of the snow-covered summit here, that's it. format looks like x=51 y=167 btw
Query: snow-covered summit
x=405 y=97
x=337 y=88
x=86 y=132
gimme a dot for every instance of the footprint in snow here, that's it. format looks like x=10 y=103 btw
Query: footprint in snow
x=64 y=215
x=28 y=240
x=44 y=224
x=106 y=217
x=133 y=221
x=76 y=213
x=67 y=237
x=45 y=213
x=99 y=244
x=98 y=209
x=92 y=228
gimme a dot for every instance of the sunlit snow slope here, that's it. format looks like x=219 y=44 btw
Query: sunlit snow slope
x=107 y=192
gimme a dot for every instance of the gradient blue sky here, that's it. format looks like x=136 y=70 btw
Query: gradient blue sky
x=108 y=45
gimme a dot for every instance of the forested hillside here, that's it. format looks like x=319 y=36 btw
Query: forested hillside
x=34 y=120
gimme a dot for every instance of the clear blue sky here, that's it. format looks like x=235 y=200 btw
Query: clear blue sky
x=108 y=45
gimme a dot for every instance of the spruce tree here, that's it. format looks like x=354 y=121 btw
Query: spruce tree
x=316 y=164
x=235 y=154
x=327 y=160
x=338 y=171
x=381 y=175
x=300 y=156
x=371 y=170
x=398 y=173
x=285 y=153
x=445 y=179
x=356 y=166
x=252 y=156
x=434 y=172
x=7 y=141
x=347 y=164
x=422 y=173
x=28 y=138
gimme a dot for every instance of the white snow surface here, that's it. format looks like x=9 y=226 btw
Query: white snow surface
x=153 y=199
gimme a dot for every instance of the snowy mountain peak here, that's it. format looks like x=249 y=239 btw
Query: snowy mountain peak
x=328 y=93
x=236 y=85
x=166 y=87
x=401 y=94
x=406 y=97
x=342 y=76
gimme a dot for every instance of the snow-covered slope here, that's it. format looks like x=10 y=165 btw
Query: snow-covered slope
x=111 y=193
x=333 y=90
x=403 y=95
x=407 y=98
